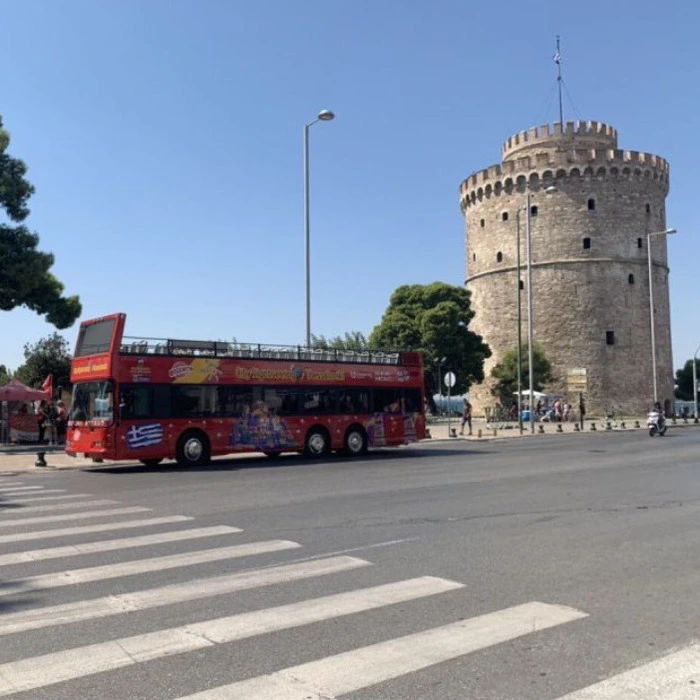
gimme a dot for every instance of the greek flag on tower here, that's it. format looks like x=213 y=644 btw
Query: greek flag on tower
x=144 y=435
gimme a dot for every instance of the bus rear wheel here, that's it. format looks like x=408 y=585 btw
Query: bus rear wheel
x=193 y=449
x=317 y=443
x=355 y=441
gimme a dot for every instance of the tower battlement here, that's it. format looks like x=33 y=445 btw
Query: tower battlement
x=573 y=135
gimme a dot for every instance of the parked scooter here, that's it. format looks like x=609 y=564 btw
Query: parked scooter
x=656 y=423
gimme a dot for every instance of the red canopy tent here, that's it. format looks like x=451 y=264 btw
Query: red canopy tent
x=14 y=390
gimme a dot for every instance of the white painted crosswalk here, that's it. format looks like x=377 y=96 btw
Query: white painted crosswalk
x=327 y=676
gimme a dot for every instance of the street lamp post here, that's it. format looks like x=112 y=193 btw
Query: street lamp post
x=324 y=115
x=520 y=329
x=548 y=190
x=695 y=383
x=651 y=308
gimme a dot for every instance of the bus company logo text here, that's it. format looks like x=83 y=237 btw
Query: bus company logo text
x=179 y=370
x=140 y=372
x=90 y=368
x=290 y=374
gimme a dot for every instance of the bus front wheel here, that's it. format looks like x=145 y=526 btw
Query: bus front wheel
x=317 y=443
x=355 y=441
x=193 y=449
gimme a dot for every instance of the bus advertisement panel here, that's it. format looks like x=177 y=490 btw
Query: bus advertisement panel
x=146 y=399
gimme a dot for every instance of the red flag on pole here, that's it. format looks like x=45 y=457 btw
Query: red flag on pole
x=47 y=386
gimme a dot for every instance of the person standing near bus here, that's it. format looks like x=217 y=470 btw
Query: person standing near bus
x=466 y=416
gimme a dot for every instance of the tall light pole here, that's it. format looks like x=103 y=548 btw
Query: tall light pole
x=651 y=307
x=548 y=190
x=520 y=328
x=324 y=115
x=695 y=383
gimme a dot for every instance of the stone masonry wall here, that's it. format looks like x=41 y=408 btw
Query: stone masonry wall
x=611 y=197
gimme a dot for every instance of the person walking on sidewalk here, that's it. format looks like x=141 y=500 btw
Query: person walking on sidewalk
x=466 y=417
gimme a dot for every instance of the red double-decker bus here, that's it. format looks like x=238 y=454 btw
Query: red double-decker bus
x=147 y=399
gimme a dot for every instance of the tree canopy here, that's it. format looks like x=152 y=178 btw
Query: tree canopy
x=506 y=372
x=49 y=355
x=25 y=279
x=5 y=375
x=684 y=381
x=434 y=319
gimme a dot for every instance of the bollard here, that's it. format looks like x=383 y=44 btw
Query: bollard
x=685 y=420
x=453 y=432
x=697 y=420
x=576 y=428
x=673 y=420
x=40 y=461
x=622 y=425
x=495 y=432
x=608 y=425
x=478 y=433
x=636 y=424
x=540 y=428
x=559 y=428
x=427 y=433
x=593 y=426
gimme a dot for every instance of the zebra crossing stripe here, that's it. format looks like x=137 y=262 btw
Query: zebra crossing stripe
x=34 y=498
x=111 y=545
x=73 y=577
x=88 y=529
x=20 y=621
x=675 y=676
x=73 y=516
x=79 y=662
x=59 y=506
x=353 y=670
x=17 y=489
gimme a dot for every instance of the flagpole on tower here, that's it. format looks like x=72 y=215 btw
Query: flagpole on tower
x=557 y=60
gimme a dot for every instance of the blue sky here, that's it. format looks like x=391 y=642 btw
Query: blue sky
x=164 y=139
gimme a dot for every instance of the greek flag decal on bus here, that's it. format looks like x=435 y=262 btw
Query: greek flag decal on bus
x=144 y=435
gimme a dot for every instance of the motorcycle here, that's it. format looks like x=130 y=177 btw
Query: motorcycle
x=656 y=424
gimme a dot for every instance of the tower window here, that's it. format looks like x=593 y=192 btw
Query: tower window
x=499 y=256
x=504 y=216
x=522 y=286
x=474 y=257
x=533 y=210
x=591 y=204
x=481 y=223
x=639 y=243
x=586 y=243
x=630 y=278
x=648 y=208
x=610 y=337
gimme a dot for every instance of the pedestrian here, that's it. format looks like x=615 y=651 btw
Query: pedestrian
x=565 y=411
x=581 y=409
x=42 y=419
x=466 y=417
x=61 y=422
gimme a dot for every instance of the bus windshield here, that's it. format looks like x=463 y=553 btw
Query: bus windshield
x=93 y=401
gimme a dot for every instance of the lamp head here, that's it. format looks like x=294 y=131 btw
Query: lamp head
x=325 y=115
x=551 y=189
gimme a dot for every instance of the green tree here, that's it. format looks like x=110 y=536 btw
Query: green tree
x=5 y=375
x=49 y=355
x=434 y=319
x=506 y=372
x=352 y=341
x=25 y=279
x=684 y=381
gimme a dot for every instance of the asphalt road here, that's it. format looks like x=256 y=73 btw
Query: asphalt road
x=602 y=530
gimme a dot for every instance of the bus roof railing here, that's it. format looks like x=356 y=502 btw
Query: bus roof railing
x=223 y=349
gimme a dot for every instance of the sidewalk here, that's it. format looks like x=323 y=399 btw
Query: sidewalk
x=22 y=458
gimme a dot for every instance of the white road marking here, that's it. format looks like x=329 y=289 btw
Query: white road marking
x=86 y=529
x=111 y=545
x=58 y=506
x=352 y=670
x=19 y=489
x=79 y=662
x=66 y=613
x=21 y=499
x=140 y=566
x=73 y=516
x=672 y=677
